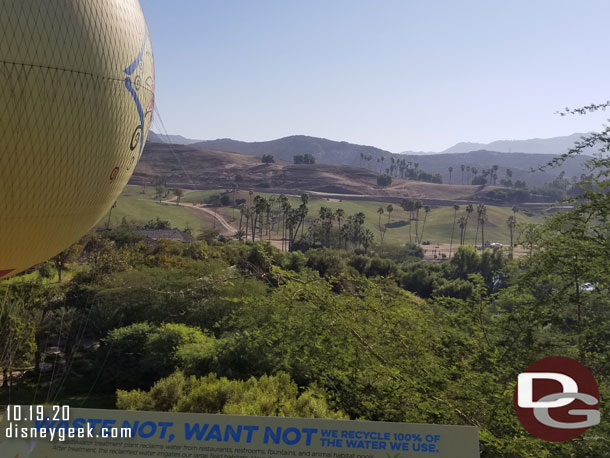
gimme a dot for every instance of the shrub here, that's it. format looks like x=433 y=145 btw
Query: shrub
x=384 y=180
x=269 y=395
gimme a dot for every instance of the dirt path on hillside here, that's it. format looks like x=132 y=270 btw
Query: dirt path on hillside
x=227 y=228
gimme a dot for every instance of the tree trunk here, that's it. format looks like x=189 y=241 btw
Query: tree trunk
x=452 y=231
x=476 y=235
x=59 y=266
x=423 y=228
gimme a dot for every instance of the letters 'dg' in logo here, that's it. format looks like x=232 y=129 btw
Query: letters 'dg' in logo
x=557 y=399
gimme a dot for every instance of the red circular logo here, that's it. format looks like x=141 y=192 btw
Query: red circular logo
x=557 y=399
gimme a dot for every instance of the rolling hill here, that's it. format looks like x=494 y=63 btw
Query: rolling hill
x=192 y=167
x=325 y=151
x=343 y=153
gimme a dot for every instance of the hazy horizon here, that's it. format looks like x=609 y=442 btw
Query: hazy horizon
x=417 y=75
x=155 y=129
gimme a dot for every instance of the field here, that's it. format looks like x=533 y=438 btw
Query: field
x=140 y=208
x=437 y=230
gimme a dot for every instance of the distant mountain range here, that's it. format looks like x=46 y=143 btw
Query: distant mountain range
x=520 y=156
x=154 y=137
x=554 y=145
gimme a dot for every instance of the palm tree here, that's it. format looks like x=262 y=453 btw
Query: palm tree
x=483 y=218
x=462 y=222
x=407 y=205
x=339 y=214
x=389 y=209
x=178 y=193
x=381 y=232
x=285 y=208
x=344 y=234
x=450 y=172
x=367 y=239
x=480 y=210
x=242 y=208
x=331 y=217
x=426 y=211
x=455 y=210
x=257 y=212
x=303 y=211
x=469 y=210
x=326 y=216
x=247 y=214
x=417 y=207
x=235 y=186
x=511 y=222
x=463 y=167
x=268 y=215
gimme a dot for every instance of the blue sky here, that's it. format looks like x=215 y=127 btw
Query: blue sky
x=404 y=74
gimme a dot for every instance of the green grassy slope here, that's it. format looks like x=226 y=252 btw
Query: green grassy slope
x=140 y=208
x=438 y=224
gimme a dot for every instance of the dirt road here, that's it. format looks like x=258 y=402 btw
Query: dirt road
x=228 y=229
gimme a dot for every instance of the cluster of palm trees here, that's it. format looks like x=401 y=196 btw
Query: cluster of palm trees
x=463 y=221
x=323 y=232
x=260 y=215
x=472 y=174
x=399 y=168
x=354 y=231
x=482 y=219
x=383 y=228
x=414 y=207
x=511 y=222
x=254 y=216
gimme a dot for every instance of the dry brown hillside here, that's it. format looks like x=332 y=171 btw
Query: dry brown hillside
x=189 y=166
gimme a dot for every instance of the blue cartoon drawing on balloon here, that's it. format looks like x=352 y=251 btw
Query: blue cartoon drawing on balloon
x=133 y=84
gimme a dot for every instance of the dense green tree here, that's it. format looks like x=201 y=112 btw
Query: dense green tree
x=384 y=180
x=268 y=159
x=178 y=193
x=273 y=395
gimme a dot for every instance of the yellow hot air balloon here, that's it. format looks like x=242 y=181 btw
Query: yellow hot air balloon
x=76 y=102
